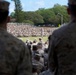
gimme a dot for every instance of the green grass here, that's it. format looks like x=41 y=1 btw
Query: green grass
x=33 y=38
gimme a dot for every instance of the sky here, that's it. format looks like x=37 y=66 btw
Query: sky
x=33 y=5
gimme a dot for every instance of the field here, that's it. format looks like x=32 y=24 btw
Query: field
x=33 y=38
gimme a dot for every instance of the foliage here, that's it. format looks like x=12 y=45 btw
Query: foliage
x=62 y=10
x=28 y=21
x=42 y=16
x=12 y=15
x=18 y=11
x=34 y=17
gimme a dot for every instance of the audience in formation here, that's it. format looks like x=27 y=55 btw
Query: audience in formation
x=20 y=29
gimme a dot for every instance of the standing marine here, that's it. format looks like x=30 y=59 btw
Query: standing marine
x=14 y=55
x=62 y=45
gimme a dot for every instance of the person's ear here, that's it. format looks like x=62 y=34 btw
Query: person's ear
x=8 y=19
x=68 y=10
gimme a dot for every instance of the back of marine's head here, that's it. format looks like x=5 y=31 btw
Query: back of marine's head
x=72 y=7
x=4 y=10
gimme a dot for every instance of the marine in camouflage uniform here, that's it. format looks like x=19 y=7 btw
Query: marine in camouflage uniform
x=14 y=55
x=62 y=46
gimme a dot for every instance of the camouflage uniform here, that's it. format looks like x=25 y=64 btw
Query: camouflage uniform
x=62 y=50
x=14 y=55
x=62 y=46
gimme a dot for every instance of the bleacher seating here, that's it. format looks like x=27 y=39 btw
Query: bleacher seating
x=21 y=29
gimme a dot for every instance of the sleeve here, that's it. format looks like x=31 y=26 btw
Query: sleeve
x=52 y=55
x=25 y=63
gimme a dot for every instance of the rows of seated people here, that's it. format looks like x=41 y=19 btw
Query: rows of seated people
x=28 y=30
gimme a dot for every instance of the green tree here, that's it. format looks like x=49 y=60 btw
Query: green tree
x=42 y=15
x=62 y=10
x=12 y=15
x=18 y=11
x=48 y=15
x=51 y=16
x=34 y=17
x=28 y=21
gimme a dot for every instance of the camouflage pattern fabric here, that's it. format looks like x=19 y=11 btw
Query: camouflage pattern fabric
x=62 y=50
x=14 y=56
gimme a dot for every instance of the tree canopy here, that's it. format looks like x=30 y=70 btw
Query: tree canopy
x=43 y=16
x=19 y=14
